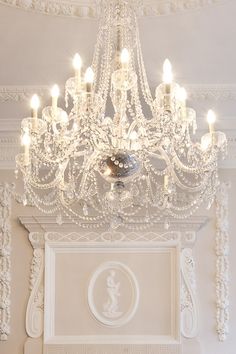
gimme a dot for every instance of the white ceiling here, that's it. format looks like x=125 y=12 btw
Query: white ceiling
x=36 y=50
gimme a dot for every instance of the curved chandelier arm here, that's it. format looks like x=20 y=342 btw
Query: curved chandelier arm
x=174 y=175
x=193 y=170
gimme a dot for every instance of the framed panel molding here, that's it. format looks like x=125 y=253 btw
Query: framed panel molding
x=6 y=191
x=105 y=304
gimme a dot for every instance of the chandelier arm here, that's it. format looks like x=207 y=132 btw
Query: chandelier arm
x=193 y=170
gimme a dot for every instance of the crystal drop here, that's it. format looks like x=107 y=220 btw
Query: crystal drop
x=166 y=225
x=24 y=200
x=59 y=220
x=116 y=222
x=85 y=210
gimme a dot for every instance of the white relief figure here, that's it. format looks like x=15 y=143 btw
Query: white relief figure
x=111 y=307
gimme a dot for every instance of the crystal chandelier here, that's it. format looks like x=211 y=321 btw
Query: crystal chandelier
x=115 y=154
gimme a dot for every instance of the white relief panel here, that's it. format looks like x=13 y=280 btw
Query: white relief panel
x=120 y=294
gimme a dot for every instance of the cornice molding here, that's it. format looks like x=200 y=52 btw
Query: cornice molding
x=48 y=223
x=215 y=92
x=20 y=93
x=90 y=8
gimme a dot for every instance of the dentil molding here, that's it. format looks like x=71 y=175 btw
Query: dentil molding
x=90 y=8
x=6 y=191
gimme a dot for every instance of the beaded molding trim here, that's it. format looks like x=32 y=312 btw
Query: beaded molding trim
x=222 y=262
x=6 y=191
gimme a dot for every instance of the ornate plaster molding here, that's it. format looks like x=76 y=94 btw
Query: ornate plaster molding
x=35 y=307
x=189 y=306
x=68 y=231
x=222 y=262
x=6 y=191
x=90 y=8
x=20 y=93
x=215 y=92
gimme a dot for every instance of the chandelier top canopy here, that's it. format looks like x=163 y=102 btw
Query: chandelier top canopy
x=117 y=154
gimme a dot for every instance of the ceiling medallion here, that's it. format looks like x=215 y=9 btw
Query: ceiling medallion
x=116 y=153
x=91 y=8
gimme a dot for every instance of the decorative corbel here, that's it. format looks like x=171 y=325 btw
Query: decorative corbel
x=35 y=308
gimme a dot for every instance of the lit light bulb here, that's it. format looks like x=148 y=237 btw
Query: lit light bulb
x=35 y=102
x=211 y=118
x=167 y=72
x=55 y=91
x=124 y=58
x=77 y=62
x=89 y=78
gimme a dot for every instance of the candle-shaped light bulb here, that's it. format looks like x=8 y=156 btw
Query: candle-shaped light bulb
x=55 y=92
x=125 y=58
x=35 y=103
x=77 y=63
x=89 y=79
x=211 y=118
x=167 y=72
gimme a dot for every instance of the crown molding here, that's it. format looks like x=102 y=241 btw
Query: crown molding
x=90 y=8
x=215 y=92
x=12 y=93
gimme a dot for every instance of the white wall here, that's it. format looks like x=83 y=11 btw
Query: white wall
x=205 y=262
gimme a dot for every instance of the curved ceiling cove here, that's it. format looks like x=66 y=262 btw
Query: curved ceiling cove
x=90 y=8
